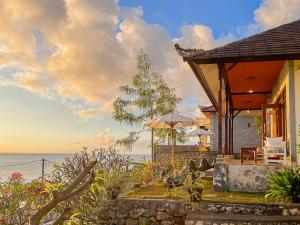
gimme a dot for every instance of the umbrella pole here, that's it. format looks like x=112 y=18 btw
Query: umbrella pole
x=173 y=152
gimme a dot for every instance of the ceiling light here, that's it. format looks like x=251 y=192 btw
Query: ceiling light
x=250 y=78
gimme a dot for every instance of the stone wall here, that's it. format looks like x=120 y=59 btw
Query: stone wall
x=143 y=212
x=173 y=212
x=184 y=151
x=242 y=178
x=161 y=152
x=244 y=133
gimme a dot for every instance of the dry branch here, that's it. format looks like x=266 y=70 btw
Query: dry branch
x=68 y=192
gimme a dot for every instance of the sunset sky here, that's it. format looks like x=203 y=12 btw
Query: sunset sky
x=62 y=61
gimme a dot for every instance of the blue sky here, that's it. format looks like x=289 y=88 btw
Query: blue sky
x=223 y=16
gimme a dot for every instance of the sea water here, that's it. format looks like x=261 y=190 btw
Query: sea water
x=30 y=165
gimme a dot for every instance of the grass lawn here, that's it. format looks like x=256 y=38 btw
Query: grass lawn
x=159 y=191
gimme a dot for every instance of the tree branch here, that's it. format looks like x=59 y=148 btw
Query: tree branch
x=65 y=215
x=65 y=194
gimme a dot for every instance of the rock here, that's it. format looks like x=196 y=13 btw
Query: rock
x=167 y=223
x=162 y=216
x=134 y=214
x=295 y=212
x=122 y=215
x=131 y=222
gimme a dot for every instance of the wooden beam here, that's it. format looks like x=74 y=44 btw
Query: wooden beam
x=228 y=59
x=237 y=113
x=250 y=109
x=226 y=82
x=231 y=66
x=220 y=117
x=253 y=93
x=200 y=76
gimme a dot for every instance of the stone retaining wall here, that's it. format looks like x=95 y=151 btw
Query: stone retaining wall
x=143 y=212
x=242 y=177
x=173 y=212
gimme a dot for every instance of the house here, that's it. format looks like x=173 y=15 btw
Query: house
x=245 y=132
x=260 y=73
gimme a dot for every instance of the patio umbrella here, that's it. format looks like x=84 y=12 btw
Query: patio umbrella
x=198 y=132
x=172 y=121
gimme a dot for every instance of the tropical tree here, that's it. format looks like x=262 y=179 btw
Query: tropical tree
x=148 y=96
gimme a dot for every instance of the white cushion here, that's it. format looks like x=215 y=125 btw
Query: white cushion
x=274 y=142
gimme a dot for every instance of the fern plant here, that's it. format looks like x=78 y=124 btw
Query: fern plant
x=285 y=183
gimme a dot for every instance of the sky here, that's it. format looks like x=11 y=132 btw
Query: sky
x=62 y=61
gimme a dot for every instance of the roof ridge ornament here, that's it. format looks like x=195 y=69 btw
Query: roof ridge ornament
x=186 y=52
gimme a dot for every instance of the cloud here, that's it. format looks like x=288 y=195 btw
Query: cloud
x=83 y=50
x=98 y=112
x=103 y=139
x=272 y=13
x=89 y=48
x=30 y=81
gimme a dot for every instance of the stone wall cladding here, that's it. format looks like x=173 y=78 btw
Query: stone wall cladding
x=243 y=136
x=249 y=178
x=173 y=212
x=242 y=177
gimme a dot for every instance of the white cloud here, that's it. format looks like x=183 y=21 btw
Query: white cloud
x=103 y=139
x=272 y=13
x=88 y=48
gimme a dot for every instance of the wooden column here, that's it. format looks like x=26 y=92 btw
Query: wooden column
x=220 y=151
x=231 y=131
x=229 y=138
x=263 y=125
x=226 y=128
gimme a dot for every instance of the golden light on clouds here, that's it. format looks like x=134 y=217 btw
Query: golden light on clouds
x=81 y=51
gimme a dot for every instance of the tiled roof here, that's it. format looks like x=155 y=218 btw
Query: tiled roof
x=280 y=43
x=207 y=108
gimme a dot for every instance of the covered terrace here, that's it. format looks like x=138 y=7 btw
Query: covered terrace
x=252 y=74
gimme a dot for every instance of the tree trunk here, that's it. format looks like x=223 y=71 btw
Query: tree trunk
x=152 y=151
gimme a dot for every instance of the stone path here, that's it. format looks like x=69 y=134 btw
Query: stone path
x=231 y=219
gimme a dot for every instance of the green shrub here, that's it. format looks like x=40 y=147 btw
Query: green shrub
x=285 y=184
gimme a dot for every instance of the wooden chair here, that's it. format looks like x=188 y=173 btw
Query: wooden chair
x=275 y=151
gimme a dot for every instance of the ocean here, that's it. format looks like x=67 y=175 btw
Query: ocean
x=30 y=165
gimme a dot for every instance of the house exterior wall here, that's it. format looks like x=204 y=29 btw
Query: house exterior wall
x=244 y=133
x=297 y=105
x=287 y=79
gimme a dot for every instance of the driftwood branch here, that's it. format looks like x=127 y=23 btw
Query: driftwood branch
x=67 y=193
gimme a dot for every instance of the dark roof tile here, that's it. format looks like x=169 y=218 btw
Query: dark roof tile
x=282 y=42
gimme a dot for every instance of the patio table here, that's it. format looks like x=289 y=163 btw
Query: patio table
x=247 y=151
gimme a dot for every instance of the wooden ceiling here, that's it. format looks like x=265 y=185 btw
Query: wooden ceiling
x=252 y=82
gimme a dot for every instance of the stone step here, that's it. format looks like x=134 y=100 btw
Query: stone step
x=208 y=174
x=231 y=219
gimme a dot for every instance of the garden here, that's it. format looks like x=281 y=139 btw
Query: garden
x=79 y=188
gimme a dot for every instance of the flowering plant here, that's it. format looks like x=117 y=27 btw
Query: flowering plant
x=16 y=177
x=18 y=199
